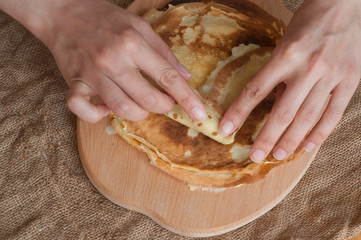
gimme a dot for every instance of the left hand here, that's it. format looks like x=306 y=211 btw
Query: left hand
x=320 y=54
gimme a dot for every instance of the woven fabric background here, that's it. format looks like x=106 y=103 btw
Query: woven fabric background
x=45 y=193
x=292 y=5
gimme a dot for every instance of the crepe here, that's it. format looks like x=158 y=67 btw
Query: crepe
x=202 y=34
x=214 y=42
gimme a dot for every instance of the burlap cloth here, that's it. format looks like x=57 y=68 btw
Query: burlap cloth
x=45 y=194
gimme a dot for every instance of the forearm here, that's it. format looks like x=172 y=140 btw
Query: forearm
x=33 y=14
x=341 y=6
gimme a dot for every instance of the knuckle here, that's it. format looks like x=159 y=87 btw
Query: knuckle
x=167 y=78
x=353 y=71
x=334 y=114
x=266 y=142
x=253 y=90
x=168 y=53
x=319 y=136
x=290 y=143
x=352 y=80
x=317 y=63
x=308 y=115
x=185 y=101
x=237 y=112
x=283 y=115
x=148 y=101
x=102 y=57
x=129 y=40
x=121 y=108
x=290 y=50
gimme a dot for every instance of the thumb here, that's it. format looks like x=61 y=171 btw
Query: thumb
x=78 y=102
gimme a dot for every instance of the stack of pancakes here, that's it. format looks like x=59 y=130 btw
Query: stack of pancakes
x=223 y=47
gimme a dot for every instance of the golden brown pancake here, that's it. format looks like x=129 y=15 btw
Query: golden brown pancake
x=223 y=47
x=202 y=34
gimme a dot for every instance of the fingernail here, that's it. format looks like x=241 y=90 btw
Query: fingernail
x=185 y=71
x=227 y=128
x=309 y=146
x=198 y=114
x=106 y=113
x=279 y=154
x=257 y=156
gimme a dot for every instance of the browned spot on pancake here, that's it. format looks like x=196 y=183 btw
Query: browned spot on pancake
x=194 y=142
x=209 y=116
x=249 y=127
x=214 y=133
x=175 y=116
x=174 y=131
x=199 y=124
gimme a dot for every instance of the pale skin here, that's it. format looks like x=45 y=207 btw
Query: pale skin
x=100 y=48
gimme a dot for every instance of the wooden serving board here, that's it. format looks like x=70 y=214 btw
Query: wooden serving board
x=124 y=175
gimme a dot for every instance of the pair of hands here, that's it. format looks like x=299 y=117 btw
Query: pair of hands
x=100 y=48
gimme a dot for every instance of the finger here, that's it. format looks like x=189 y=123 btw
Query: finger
x=171 y=81
x=78 y=102
x=341 y=95
x=279 y=91
x=165 y=51
x=305 y=118
x=282 y=114
x=252 y=94
x=119 y=102
x=158 y=44
x=143 y=93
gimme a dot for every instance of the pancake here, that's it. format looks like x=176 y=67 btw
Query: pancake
x=202 y=34
x=223 y=47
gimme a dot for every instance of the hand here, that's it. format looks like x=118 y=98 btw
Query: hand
x=99 y=49
x=320 y=54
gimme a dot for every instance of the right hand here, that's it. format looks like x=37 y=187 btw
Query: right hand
x=100 y=48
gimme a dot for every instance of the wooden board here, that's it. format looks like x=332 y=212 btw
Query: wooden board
x=124 y=175
x=357 y=237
